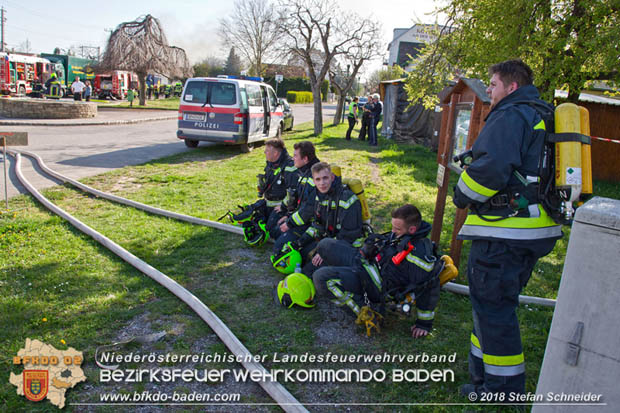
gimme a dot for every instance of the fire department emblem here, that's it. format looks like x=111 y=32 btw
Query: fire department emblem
x=36 y=384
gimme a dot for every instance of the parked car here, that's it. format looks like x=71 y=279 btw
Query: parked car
x=289 y=118
x=229 y=109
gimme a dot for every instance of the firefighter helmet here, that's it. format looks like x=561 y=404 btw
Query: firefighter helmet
x=286 y=260
x=255 y=233
x=297 y=289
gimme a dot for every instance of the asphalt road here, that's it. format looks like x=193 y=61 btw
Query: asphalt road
x=82 y=151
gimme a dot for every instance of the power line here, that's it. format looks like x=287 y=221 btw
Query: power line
x=47 y=17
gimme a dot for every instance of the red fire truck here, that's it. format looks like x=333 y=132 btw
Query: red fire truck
x=18 y=72
x=114 y=84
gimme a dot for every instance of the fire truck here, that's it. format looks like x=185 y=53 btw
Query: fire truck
x=114 y=84
x=18 y=72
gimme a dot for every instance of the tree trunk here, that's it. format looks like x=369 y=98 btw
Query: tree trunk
x=318 y=108
x=339 y=109
x=142 y=80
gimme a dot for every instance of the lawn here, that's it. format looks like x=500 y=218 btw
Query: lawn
x=171 y=103
x=59 y=284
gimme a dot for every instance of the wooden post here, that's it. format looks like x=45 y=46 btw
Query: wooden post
x=443 y=155
x=6 y=181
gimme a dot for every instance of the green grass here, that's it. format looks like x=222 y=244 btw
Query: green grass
x=50 y=270
x=171 y=103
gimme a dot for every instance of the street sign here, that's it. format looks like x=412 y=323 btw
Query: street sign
x=279 y=78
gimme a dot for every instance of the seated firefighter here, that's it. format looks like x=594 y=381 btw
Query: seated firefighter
x=400 y=266
x=279 y=174
x=295 y=213
x=337 y=219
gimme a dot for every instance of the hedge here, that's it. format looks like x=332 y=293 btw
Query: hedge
x=299 y=97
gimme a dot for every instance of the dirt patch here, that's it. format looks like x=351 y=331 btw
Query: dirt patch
x=375 y=177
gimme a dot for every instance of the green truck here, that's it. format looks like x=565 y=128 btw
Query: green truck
x=70 y=67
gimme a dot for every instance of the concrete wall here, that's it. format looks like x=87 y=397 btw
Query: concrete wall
x=582 y=358
x=46 y=109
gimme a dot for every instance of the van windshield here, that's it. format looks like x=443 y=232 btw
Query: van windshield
x=220 y=93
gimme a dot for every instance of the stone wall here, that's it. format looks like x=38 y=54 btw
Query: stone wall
x=25 y=108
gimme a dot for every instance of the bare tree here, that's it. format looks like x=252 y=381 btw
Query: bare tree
x=311 y=26
x=141 y=46
x=364 y=47
x=251 y=30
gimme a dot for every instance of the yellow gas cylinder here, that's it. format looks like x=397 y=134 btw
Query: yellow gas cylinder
x=358 y=189
x=568 y=154
x=336 y=170
x=586 y=157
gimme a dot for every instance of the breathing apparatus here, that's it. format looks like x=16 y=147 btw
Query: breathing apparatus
x=252 y=221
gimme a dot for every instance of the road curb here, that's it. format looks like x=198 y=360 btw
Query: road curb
x=80 y=123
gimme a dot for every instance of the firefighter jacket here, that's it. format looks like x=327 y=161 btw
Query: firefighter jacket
x=301 y=197
x=278 y=176
x=415 y=274
x=337 y=214
x=511 y=140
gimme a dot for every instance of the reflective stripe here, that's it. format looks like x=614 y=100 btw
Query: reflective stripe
x=347 y=204
x=373 y=273
x=475 y=349
x=506 y=371
x=358 y=242
x=510 y=233
x=307 y=180
x=478 y=192
x=533 y=210
x=342 y=298
x=297 y=218
x=277 y=171
x=539 y=225
x=426 y=315
x=273 y=203
x=507 y=361
x=426 y=266
x=290 y=169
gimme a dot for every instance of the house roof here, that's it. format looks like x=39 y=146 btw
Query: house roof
x=476 y=85
x=588 y=97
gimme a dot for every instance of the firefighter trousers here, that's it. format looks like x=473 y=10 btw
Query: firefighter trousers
x=497 y=272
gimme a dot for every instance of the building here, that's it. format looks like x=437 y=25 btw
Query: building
x=408 y=42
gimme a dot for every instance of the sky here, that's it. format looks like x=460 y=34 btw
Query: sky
x=40 y=26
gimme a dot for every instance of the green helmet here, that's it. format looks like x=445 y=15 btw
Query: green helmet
x=255 y=233
x=286 y=260
x=297 y=289
x=53 y=75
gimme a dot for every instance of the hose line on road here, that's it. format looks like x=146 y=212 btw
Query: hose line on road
x=277 y=392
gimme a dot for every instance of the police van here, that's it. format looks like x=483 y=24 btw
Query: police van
x=229 y=109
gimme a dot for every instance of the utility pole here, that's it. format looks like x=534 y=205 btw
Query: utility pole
x=2 y=20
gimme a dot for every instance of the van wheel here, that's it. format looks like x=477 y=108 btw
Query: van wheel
x=247 y=147
x=190 y=143
x=279 y=132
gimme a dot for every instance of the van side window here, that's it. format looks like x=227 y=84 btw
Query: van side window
x=244 y=98
x=254 y=96
x=223 y=94
x=273 y=100
x=196 y=92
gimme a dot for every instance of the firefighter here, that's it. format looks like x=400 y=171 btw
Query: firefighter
x=178 y=88
x=297 y=209
x=399 y=266
x=508 y=227
x=52 y=86
x=367 y=108
x=337 y=217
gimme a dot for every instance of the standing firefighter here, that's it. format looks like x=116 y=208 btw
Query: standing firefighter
x=508 y=227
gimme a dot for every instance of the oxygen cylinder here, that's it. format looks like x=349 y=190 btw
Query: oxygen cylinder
x=358 y=189
x=586 y=157
x=568 y=156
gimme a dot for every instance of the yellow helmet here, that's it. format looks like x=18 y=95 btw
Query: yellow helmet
x=297 y=289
